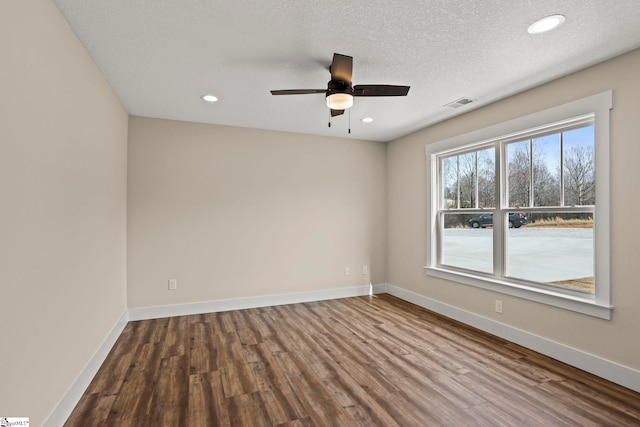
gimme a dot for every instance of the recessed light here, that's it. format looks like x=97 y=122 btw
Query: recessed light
x=546 y=24
x=367 y=120
x=209 y=98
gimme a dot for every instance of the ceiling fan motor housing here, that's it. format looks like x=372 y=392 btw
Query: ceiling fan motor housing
x=337 y=86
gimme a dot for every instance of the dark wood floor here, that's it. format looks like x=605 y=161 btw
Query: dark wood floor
x=365 y=361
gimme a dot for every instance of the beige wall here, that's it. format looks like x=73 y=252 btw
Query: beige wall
x=232 y=212
x=616 y=340
x=63 y=138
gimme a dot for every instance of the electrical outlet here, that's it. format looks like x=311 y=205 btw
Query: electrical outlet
x=365 y=270
x=347 y=271
x=499 y=306
x=173 y=284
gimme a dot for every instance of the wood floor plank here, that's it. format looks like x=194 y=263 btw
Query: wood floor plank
x=237 y=379
x=203 y=351
x=111 y=383
x=91 y=410
x=201 y=404
x=489 y=415
x=258 y=323
x=170 y=399
x=247 y=410
x=271 y=378
x=346 y=391
x=623 y=402
x=207 y=404
x=364 y=373
x=587 y=408
x=517 y=405
x=317 y=400
x=420 y=391
x=134 y=397
x=364 y=361
x=277 y=406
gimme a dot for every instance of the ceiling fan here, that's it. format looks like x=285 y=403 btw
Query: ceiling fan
x=340 y=92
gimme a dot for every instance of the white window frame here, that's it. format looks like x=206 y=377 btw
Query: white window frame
x=597 y=304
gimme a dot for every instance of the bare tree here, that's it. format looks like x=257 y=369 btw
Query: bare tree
x=546 y=186
x=486 y=179
x=468 y=182
x=519 y=174
x=468 y=179
x=579 y=176
x=526 y=165
x=450 y=181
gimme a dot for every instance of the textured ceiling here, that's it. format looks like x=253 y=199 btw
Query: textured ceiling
x=160 y=56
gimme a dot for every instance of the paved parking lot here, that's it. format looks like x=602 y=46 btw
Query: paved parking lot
x=538 y=254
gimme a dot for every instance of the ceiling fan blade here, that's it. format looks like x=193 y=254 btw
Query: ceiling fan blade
x=297 y=91
x=342 y=68
x=336 y=112
x=380 y=90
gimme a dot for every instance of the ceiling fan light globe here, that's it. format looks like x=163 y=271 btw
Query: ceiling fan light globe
x=340 y=101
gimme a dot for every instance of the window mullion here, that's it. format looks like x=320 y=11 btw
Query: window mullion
x=458 y=182
x=561 y=169
x=531 y=174
x=500 y=194
x=477 y=201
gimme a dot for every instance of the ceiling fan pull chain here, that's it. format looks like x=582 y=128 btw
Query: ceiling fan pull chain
x=349 y=120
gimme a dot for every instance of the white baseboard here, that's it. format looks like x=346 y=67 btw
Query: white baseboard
x=62 y=411
x=380 y=288
x=142 y=313
x=614 y=372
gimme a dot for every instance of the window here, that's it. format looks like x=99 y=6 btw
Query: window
x=522 y=207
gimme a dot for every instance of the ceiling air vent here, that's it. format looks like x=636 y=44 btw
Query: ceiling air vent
x=459 y=102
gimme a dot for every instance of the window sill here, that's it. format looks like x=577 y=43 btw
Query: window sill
x=584 y=305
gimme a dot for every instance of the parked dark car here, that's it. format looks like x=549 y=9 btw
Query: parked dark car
x=516 y=220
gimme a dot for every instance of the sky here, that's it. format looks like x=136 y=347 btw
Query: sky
x=549 y=146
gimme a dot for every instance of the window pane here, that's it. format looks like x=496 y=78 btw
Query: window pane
x=465 y=247
x=546 y=170
x=467 y=169
x=450 y=182
x=519 y=173
x=579 y=167
x=487 y=178
x=556 y=249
